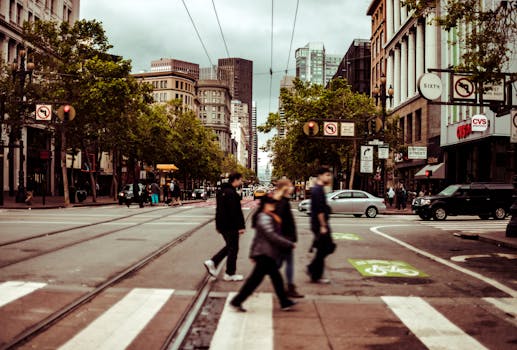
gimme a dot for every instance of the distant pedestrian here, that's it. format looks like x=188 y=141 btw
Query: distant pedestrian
x=155 y=193
x=320 y=213
x=284 y=191
x=266 y=249
x=175 y=192
x=391 y=196
x=137 y=195
x=229 y=222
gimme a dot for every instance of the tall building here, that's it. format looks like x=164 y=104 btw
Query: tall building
x=254 y=139
x=173 y=65
x=355 y=66
x=240 y=78
x=314 y=65
x=35 y=138
x=285 y=83
x=240 y=130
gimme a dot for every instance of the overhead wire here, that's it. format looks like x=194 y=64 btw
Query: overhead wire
x=292 y=37
x=197 y=32
x=271 y=60
x=221 y=30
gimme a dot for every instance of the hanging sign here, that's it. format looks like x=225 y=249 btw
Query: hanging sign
x=430 y=86
x=463 y=88
x=44 y=112
x=384 y=152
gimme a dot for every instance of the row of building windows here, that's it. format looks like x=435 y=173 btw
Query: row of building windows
x=15 y=11
x=180 y=85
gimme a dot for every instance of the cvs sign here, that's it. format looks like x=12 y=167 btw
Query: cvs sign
x=479 y=123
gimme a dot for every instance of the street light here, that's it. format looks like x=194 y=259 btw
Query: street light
x=19 y=72
x=380 y=93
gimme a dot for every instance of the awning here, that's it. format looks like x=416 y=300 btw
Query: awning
x=167 y=167
x=437 y=169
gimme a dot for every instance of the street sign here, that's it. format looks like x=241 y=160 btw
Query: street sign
x=513 y=127
x=367 y=166
x=417 y=152
x=384 y=152
x=430 y=86
x=44 y=112
x=348 y=129
x=330 y=129
x=366 y=152
x=494 y=92
x=463 y=88
x=376 y=142
x=385 y=268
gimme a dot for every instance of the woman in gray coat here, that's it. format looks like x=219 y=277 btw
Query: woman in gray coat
x=266 y=251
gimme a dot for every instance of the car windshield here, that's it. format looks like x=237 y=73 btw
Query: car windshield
x=448 y=191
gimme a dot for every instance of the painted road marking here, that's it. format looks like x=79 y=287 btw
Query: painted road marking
x=487 y=280
x=252 y=330
x=13 y=290
x=117 y=327
x=385 y=268
x=463 y=258
x=508 y=305
x=346 y=236
x=430 y=326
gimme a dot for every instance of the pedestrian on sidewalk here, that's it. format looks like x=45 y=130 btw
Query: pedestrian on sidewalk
x=284 y=191
x=320 y=213
x=266 y=251
x=229 y=222
x=391 y=196
x=155 y=193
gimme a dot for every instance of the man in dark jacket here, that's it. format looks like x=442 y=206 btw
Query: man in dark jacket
x=229 y=222
x=320 y=212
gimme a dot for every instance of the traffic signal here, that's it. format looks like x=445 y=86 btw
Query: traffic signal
x=311 y=128
x=428 y=173
x=66 y=113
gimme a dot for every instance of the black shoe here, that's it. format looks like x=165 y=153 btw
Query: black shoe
x=292 y=292
x=288 y=304
x=237 y=307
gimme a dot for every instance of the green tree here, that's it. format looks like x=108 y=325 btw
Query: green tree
x=489 y=34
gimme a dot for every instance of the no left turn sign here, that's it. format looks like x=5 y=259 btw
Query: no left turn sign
x=463 y=88
x=330 y=128
x=44 y=112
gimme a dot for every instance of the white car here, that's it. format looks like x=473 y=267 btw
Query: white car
x=355 y=202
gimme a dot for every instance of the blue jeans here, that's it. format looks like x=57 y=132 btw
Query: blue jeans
x=155 y=198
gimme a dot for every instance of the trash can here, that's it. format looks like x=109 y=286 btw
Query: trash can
x=81 y=195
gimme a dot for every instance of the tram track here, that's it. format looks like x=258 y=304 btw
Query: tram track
x=86 y=239
x=118 y=277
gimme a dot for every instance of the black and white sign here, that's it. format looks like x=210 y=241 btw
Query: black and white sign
x=494 y=92
x=384 y=152
x=463 y=88
x=366 y=153
x=417 y=152
x=513 y=127
x=330 y=128
x=348 y=129
x=430 y=86
x=367 y=166
x=44 y=112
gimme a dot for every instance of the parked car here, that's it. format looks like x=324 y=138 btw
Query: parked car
x=127 y=193
x=355 y=202
x=199 y=193
x=259 y=192
x=482 y=199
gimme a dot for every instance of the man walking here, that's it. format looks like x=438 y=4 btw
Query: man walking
x=229 y=222
x=320 y=226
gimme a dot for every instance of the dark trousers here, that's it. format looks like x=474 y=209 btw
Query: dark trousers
x=230 y=249
x=264 y=265
x=317 y=265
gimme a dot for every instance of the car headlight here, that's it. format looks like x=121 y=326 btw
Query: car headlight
x=121 y=194
x=425 y=201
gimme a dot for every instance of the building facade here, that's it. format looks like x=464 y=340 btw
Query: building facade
x=254 y=138
x=36 y=173
x=174 y=65
x=285 y=83
x=355 y=66
x=314 y=65
x=240 y=130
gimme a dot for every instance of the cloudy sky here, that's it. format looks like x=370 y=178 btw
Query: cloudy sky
x=146 y=30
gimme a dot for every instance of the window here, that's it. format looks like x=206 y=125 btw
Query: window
x=418 y=125
x=410 y=128
x=181 y=85
x=359 y=195
x=19 y=13
x=177 y=84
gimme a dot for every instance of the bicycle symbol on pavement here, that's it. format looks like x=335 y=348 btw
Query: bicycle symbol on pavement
x=347 y=236
x=385 y=268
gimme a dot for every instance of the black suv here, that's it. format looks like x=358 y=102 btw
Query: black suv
x=483 y=199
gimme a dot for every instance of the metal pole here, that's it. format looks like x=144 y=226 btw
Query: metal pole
x=20 y=195
x=1 y=168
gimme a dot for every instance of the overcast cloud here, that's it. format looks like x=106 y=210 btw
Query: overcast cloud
x=146 y=30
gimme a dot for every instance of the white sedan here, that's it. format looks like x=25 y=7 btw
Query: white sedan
x=355 y=202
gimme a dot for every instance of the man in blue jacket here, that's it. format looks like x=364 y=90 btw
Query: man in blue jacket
x=229 y=222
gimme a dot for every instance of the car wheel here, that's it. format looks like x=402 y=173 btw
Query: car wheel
x=439 y=214
x=499 y=213
x=358 y=215
x=484 y=217
x=371 y=212
x=425 y=216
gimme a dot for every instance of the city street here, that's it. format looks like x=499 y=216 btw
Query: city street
x=396 y=282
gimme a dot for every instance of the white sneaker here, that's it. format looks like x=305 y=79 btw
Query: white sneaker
x=210 y=267
x=233 y=278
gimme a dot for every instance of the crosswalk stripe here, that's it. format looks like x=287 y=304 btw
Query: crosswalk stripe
x=117 y=327
x=252 y=330
x=13 y=290
x=430 y=326
x=508 y=305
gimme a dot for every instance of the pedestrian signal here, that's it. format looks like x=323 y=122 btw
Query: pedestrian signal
x=66 y=113
x=428 y=173
x=311 y=128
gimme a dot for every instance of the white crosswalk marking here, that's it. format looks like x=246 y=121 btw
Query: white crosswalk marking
x=508 y=305
x=246 y=330
x=430 y=326
x=481 y=226
x=13 y=290
x=118 y=326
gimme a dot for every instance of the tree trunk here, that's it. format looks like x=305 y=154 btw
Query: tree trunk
x=92 y=178
x=63 y=167
x=354 y=161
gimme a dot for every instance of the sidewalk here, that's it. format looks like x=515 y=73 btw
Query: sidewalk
x=54 y=202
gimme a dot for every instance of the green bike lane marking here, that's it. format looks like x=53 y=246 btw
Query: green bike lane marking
x=346 y=236
x=385 y=268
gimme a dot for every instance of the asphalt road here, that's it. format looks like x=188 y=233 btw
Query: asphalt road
x=379 y=265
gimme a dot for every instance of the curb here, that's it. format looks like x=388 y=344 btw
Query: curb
x=495 y=241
